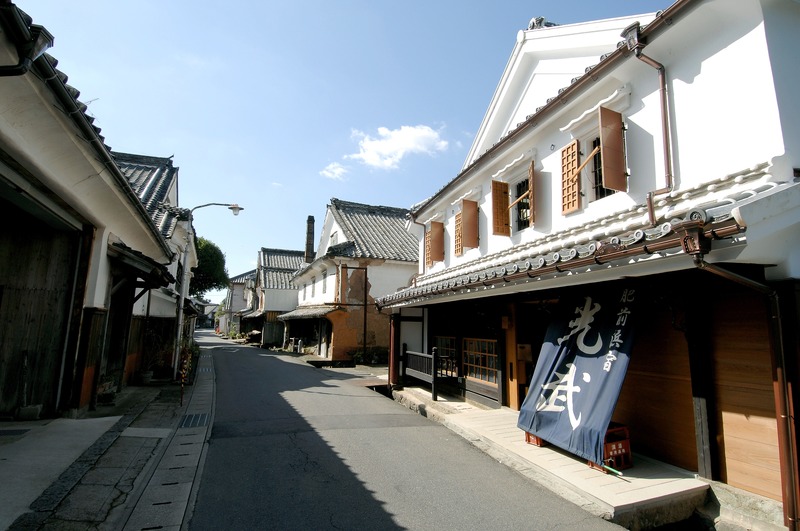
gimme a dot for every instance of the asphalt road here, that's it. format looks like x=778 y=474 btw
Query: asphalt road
x=293 y=447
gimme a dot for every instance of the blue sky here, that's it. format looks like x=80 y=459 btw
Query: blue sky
x=281 y=105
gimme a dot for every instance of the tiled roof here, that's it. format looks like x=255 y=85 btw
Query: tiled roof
x=279 y=266
x=242 y=278
x=282 y=259
x=307 y=312
x=151 y=179
x=373 y=232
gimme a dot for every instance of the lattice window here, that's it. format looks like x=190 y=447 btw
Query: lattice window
x=446 y=345
x=501 y=225
x=480 y=360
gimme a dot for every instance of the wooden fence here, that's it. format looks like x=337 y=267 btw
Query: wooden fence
x=431 y=368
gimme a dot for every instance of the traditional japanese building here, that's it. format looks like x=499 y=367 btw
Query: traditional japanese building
x=364 y=253
x=650 y=160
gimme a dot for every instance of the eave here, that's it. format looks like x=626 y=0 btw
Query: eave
x=623 y=238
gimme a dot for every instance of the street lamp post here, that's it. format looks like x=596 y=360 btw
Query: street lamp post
x=176 y=355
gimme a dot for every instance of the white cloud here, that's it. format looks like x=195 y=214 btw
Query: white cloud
x=388 y=149
x=334 y=171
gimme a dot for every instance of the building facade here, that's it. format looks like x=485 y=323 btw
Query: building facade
x=275 y=291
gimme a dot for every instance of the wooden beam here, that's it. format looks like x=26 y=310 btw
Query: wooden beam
x=585 y=162
x=520 y=198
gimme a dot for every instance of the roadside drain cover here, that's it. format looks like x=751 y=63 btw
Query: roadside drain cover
x=194 y=421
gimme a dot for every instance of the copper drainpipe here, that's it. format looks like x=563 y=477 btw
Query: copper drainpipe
x=783 y=404
x=635 y=44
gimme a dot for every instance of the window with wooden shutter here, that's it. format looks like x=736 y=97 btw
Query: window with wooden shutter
x=612 y=151
x=570 y=178
x=501 y=225
x=434 y=243
x=525 y=201
x=522 y=205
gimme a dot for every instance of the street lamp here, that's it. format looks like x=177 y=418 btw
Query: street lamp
x=176 y=355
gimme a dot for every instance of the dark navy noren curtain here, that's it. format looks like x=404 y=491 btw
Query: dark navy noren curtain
x=580 y=371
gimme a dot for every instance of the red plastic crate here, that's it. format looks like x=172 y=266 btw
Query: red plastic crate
x=534 y=440
x=616 y=449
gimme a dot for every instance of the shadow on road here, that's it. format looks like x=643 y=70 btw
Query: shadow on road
x=268 y=467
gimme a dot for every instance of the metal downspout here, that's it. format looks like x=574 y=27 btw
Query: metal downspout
x=636 y=45
x=789 y=474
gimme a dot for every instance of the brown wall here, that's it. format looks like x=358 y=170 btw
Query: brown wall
x=747 y=435
x=656 y=398
x=348 y=330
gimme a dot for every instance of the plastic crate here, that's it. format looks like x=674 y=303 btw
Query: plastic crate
x=616 y=449
x=534 y=440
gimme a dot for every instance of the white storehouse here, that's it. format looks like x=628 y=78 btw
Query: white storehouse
x=364 y=253
x=658 y=153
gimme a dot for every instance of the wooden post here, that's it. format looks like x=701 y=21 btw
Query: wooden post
x=401 y=377
x=434 y=371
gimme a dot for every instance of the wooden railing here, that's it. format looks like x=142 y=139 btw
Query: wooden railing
x=429 y=368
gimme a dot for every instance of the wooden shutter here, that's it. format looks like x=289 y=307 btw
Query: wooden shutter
x=459 y=246
x=501 y=225
x=570 y=179
x=428 y=260
x=612 y=151
x=469 y=224
x=531 y=194
x=434 y=243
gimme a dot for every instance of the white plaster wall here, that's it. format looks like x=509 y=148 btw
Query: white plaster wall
x=389 y=277
x=161 y=304
x=238 y=299
x=329 y=227
x=281 y=300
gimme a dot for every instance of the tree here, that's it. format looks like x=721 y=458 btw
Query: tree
x=210 y=272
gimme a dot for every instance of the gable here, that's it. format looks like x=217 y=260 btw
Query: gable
x=544 y=61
